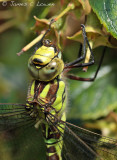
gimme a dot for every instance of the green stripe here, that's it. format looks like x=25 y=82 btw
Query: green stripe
x=45 y=91
x=58 y=102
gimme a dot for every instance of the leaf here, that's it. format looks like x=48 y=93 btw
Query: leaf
x=94 y=33
x=93 y=100
x=106 y=11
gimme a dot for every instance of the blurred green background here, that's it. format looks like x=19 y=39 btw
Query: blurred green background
x=92 y=105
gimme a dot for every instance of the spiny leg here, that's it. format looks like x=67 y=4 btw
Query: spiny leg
x=86 y=64
x=82 y=57
x=80 y=50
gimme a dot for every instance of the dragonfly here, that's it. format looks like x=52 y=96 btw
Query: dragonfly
x=22 y=126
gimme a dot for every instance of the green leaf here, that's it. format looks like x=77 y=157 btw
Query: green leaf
x=93 y=100
x=106 y=11
x=94 y=33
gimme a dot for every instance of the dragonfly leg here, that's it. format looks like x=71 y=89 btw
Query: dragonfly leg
x=82 y=57
x=86 y=64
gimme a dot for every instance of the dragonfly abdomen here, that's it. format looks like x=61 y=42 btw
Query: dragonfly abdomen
x=53 y=138
x=53 y=130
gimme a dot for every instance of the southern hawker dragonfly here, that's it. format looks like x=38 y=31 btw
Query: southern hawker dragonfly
x=45 y=110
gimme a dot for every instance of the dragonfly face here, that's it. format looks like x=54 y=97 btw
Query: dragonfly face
x=46 y=64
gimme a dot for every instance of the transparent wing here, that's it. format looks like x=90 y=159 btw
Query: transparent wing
x=81 y=144
x=19 y=140
x=13 y=116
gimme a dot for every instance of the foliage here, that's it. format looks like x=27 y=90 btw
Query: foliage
x=106 y=12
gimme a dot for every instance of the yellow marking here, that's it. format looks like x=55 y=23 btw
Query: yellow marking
x=59 y=106
x=44 y=59
x=64 y=105
x=47 y=130
x=42 y=100
x=38 y=67
x=58 y=102
x=52 y=140
x=45 y=91
x=53 y=112
x=63 y=118
x=45 y=51
x=32 y=88
x=31 y=94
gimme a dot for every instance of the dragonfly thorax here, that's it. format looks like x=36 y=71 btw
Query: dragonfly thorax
x=46 y=64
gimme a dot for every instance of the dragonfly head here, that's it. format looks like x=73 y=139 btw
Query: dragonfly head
x=46 y=64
